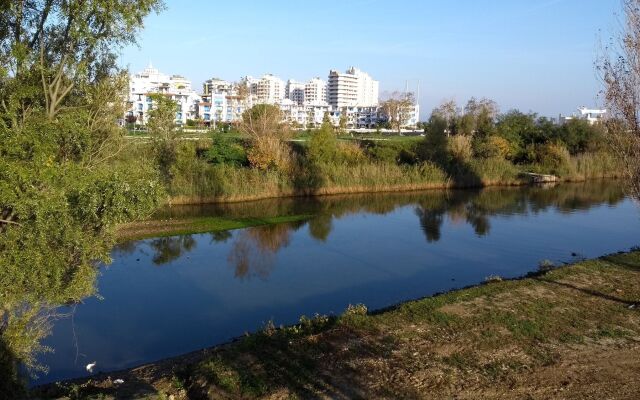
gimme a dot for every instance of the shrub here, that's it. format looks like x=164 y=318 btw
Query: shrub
x=262 y=123
x=358 y=309
x=493 y=279
x=554 y=158
x=269 y=152
x=323 y=146
x=459 y=148
x=226 y=150
x=350 y=153
x=434 y=147
x=546 y=266
x=492 y=147
x=380 y=151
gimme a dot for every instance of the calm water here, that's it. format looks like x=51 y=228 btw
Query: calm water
x=167 y=296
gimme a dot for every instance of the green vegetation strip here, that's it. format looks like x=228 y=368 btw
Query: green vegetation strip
x=175 y=227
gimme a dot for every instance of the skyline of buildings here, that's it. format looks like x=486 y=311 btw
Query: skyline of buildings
x=352 y=96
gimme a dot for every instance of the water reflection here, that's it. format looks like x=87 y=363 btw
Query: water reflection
x=168 y=249
x=253 y=252
x=226 y=283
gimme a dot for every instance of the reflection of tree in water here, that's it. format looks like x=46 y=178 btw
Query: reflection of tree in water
x=171 y=248
x=476 y=207
x=320 y=227
x=254 y=250
x=220 y=237
x=430 y=222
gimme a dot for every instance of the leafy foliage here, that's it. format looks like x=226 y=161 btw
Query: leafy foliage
x=323 y=146
x=61 y=188
x=262 y=123
x=225 y=150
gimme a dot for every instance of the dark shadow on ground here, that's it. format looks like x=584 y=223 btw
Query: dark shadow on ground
x=616 y=260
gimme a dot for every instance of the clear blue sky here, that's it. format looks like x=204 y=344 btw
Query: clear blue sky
x=534 y=55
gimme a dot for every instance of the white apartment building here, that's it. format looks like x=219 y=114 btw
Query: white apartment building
x=352 y=88
x=592 y=115
x=315 y=92
x=355 y=96
x=295 y=92
x=269 y=89
x=151 y=81
x=217 y=85
x=222 y=107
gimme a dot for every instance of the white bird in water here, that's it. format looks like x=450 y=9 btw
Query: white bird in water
x=90 y=367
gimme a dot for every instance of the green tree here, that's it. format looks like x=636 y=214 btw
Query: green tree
x=343 y=121
x=56 y=47
x=517 y=129
x=225 y=150
x=323 y=145
x=435 y=145
x=447 y=112
x=580 y=136
x=162 y=129
x=62 y=188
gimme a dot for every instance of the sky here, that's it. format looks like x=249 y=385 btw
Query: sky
x=531 y=55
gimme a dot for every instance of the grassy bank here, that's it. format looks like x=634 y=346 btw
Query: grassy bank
x=201 y=182
x=569 y=332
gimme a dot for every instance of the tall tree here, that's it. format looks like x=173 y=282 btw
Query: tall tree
x=448 y=112
x=398 y=109
x=61 y=189
x=65 y=45
x=619 y=68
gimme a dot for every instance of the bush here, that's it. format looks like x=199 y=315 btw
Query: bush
x=434 y=148
x=350 y=153
x=226 y=150
x=554 y=158
x=459 y=148
x=391 y=152
x=269 y=153
x=492 y=147
x=323 y=146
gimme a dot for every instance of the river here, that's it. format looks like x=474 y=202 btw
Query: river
x=167 y=296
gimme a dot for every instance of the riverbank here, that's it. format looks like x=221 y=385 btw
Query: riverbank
x=215 y=216
x=197 y=181
x=572 y=332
